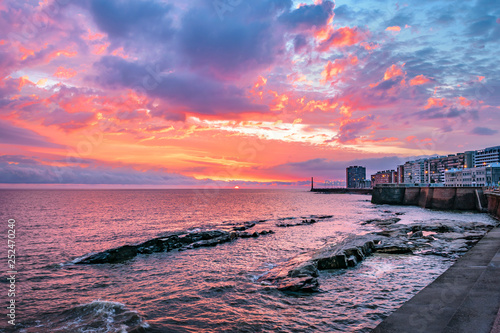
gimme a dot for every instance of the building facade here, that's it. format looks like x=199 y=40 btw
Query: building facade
x=385 y=177
x=435 y=168
x=487 y=156
x=354 y=175
x=481 y=176
x=414 y=172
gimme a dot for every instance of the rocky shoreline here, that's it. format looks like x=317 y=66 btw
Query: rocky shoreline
x=440 y=237
x=434 y=237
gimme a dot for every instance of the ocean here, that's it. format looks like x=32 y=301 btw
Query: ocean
x=209 y=289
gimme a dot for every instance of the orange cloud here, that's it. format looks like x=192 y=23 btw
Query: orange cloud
x=24 y=80
x=100 y=48
x=65 y=73
x=26 y=52
x=435 y=102
x=419 y=80
x=333 y=69
x=279 y=102
x=394 y=28
x=394 y=71
x=344 y=36
x=464 y=101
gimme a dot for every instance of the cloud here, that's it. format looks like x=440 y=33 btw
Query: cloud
x=483 y=131
x=132 y=19
x=350 y=129
x=394 y=28
x=188 y=91
x=13 y=135
x=332 y=169
x=15 y=170
x=308 y=16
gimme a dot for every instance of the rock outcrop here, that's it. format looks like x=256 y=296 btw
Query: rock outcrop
x=301 y=272
x=179 y=241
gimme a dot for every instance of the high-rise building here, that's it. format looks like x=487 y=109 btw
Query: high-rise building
x=355 y=175
x=487 y=156
x=414 y=172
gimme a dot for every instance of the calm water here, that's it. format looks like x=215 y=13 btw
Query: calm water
x=205 y=289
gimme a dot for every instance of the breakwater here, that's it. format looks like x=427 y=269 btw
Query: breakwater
x=444 y=198
x=343 y=190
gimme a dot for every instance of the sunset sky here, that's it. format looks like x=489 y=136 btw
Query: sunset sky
x=184 y=93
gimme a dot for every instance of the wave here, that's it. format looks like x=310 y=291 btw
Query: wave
x=96 y=317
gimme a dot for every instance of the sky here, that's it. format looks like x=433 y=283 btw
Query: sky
x=233 y=92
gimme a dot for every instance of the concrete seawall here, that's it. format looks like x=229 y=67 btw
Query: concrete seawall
x=494 y=204
x=445 y=198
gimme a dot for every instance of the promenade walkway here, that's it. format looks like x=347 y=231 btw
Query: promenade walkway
x=465 y=298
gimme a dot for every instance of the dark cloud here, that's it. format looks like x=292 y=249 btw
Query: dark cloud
x=68 y=121
x=10 y=134
x=331 y=169
x=32 y=172
x=352 y=128
x=131 y=19
x=448 y=112
x=484 y=131
x=299 y=42
x=308 y=16
x=189 y=91
x=228 y=47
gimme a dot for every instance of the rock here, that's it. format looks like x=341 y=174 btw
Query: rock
x=303 y=222
x=292 y=273
x=416 y=234
x=302 y=284
x=382 y=222
x=394 y=249
x=180 y=241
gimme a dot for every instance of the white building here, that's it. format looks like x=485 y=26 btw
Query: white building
x=481 y=176
x=487 y=156
x=414 y=172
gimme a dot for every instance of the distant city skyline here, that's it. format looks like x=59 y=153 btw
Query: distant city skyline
x=223 y=94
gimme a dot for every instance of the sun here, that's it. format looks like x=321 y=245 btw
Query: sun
x=236 y=187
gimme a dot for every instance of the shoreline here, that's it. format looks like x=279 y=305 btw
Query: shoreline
x=465 y=298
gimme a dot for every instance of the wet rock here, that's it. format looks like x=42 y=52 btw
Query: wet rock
x=394 y=249
x=293 y=273
x=302 y=284
x=324 y=216
x=416 y=234
x=303 y=222
x=180 y=242
x=382 y=222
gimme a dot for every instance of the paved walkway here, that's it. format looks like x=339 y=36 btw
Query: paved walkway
x=465 y=298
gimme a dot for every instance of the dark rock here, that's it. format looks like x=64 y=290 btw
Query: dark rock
x=302 y=284
x=416 y=234
x=395 y=250
x=164 y=244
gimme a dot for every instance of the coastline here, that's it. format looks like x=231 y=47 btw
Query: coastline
x=465 y=298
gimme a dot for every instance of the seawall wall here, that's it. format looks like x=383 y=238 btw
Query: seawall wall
x=494 y=204
x=444 y=198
